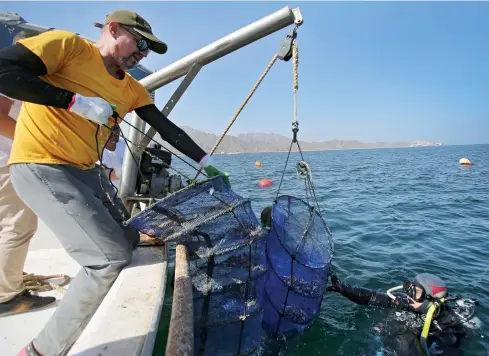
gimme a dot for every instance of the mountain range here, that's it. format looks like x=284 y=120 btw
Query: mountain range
x=267 y=142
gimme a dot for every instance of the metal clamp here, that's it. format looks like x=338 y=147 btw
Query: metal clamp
x=298 y=20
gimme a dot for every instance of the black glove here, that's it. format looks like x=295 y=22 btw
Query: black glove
x=336 y=286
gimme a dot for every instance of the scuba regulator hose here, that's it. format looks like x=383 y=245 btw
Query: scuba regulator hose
x=426 y=328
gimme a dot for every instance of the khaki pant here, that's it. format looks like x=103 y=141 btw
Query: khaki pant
x=17 y=226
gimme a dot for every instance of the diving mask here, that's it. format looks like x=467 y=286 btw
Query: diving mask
x=408 y=288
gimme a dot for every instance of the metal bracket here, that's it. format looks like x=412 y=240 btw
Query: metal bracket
x=285 y=50
x=298 y=20
x=191 y=74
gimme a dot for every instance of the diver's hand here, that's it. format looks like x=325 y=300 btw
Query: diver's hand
x=336 y=286
x=92 y=108
x=210 y=169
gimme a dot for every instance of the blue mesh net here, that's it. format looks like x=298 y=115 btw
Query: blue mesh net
x=299 y=250
x=226 y=246
x=244 y=280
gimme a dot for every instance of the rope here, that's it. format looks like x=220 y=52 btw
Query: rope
x=265 y=72
x=257 y=84
x=302 y=167
x=41 y=283
x=295 y=65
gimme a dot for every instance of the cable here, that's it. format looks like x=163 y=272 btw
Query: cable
x=151 y=155
x=152 y=139
x=141 y=174
x=100 y=154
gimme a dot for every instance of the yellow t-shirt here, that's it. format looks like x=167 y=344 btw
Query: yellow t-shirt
x=51 y=135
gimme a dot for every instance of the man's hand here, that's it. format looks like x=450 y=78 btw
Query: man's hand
x=210 y=169
x=92 y=108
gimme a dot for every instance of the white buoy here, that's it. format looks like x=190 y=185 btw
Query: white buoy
x=464 y=162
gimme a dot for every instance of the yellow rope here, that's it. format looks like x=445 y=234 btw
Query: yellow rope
x=245 y=102
x=295 y=65
x=41 y=283
x=295 y=62
x=265 y=72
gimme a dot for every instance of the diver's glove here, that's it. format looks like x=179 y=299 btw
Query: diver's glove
x=210 y=169
x=336 y=286
x=92 y=108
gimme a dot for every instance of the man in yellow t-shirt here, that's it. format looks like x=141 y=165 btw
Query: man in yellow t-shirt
x=68 y=85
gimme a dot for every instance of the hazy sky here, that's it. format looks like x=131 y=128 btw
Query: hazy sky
x=371 y=71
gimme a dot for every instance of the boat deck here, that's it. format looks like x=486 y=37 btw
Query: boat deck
x=125 y=323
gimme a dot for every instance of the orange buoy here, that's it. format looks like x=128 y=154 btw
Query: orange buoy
x=464 y=162
x=258 y=163
x=265 y=183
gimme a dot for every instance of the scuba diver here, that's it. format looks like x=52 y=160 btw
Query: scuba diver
x=431 y=326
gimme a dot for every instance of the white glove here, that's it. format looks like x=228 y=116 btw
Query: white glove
x=92 y=108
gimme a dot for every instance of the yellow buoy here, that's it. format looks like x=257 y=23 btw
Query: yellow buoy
x=464 y=162
x=258 y=163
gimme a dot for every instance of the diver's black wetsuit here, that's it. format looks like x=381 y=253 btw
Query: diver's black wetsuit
x=446 y=333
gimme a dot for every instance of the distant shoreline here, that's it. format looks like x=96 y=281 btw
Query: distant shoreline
x=342 y=149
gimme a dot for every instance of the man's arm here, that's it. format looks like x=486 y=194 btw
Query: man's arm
x=170 y=132
x=20 y=70
x=7 y=124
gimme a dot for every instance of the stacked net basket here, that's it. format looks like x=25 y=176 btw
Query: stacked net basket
x=226 y=247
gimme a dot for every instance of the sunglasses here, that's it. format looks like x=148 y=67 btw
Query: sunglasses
x=141 y=42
